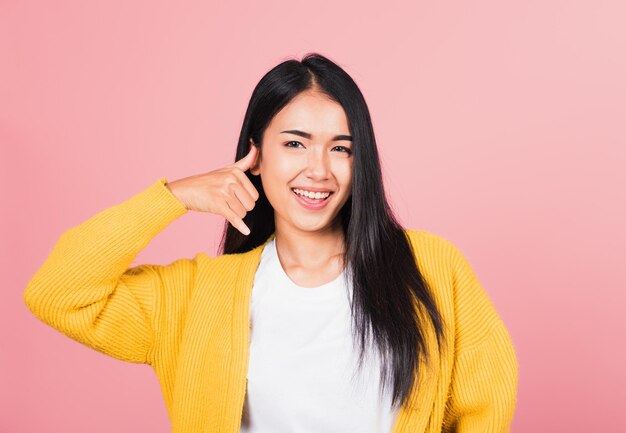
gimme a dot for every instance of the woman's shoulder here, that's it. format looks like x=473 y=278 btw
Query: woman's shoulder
x=424 y=235
x=437 y=256
x=231 y=263
x=431 y=244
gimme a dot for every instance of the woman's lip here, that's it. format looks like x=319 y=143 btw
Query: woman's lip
x=312 y=206
x=312 y=189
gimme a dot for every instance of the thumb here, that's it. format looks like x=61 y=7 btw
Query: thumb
x=248 y=161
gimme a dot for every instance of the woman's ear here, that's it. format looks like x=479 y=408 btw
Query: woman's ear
x=254 y=169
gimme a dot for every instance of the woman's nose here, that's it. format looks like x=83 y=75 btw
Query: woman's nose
x=318 y=164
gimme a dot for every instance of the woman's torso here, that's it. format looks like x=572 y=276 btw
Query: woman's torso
x=302 y=373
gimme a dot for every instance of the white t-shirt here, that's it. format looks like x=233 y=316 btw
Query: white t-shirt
x=302 y=374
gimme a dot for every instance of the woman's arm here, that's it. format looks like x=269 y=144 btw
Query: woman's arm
x=483 y=391
x=86 y=290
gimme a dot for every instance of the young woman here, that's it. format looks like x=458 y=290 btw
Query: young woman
x=321 y=314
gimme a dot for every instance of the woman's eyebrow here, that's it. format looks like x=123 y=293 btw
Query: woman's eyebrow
x=308 y=135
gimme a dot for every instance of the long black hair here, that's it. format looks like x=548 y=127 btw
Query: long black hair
x=379 y=258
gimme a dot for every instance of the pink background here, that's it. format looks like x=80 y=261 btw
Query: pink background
x=500 y=125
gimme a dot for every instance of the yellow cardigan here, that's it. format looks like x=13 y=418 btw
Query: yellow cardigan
x=190 y=321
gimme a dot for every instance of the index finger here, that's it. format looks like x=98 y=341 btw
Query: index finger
x=248 y=185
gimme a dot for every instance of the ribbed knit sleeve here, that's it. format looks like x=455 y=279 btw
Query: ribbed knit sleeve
x=86 y=290
x=483 y=390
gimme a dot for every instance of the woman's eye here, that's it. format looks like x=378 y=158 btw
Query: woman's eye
x=345 y=149
x=290 y=142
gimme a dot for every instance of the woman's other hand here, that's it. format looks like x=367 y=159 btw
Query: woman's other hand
x=226 y=191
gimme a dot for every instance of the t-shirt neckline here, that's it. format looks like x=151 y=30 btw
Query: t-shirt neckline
x=328 y=289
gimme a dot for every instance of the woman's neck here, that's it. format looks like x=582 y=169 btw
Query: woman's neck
x=310 y=250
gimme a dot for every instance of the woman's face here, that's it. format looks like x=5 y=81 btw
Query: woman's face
x=307 y=146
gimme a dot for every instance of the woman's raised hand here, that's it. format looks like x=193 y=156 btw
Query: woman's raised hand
x=226 y=191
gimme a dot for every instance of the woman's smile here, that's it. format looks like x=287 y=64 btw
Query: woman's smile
x=311 y=200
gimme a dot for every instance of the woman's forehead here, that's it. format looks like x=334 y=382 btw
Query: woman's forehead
x=313 y=114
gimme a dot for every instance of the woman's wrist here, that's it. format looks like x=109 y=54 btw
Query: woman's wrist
x=175 y=192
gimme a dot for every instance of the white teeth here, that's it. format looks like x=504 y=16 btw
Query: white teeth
x=310 y=194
